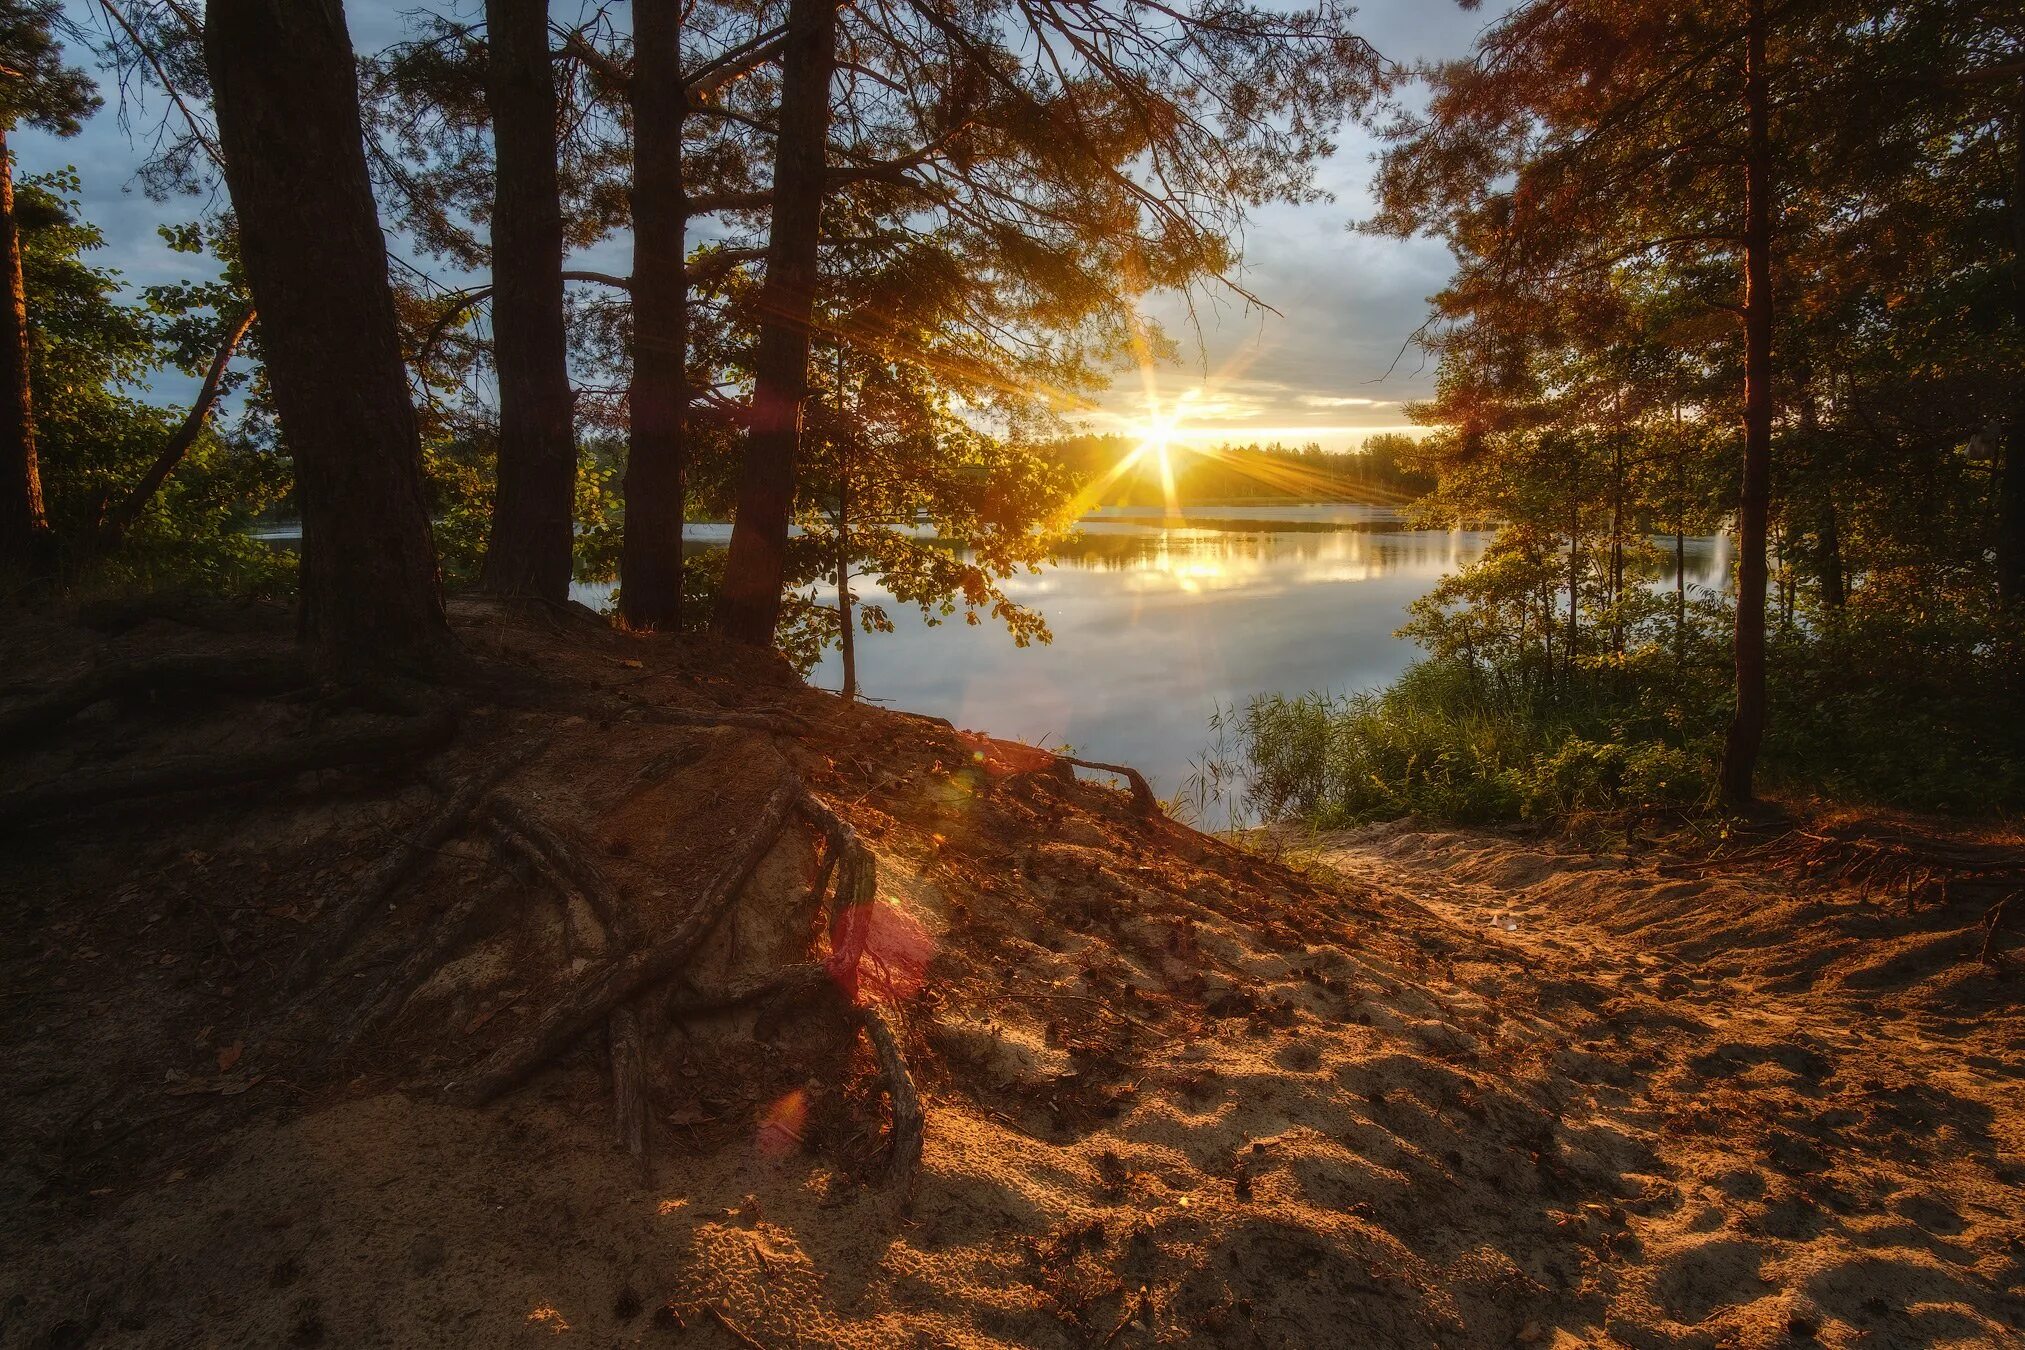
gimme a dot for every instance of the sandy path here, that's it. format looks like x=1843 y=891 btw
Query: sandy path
x=1832 y=1091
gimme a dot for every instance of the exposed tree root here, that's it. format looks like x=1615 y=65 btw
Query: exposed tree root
x=1993 y=923
x=570 y=871
x=903 y=1154
x=857 y=876
x=1143 y=800
x=191 y=773
x=392 y=992
x=334 y=934
x=803 y=981
x=595 y=996
x=38 y=718
x=779 y=723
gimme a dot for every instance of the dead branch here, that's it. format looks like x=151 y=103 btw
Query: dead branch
x=632 y=1101
x=596 y=995
x=1993 y=923
x=35 y=719
x=192 y=773
x=1143 y=800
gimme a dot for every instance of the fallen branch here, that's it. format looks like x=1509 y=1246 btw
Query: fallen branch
x=191 y=773
x=596 y=995
x=37 y=718
x=1143 y=800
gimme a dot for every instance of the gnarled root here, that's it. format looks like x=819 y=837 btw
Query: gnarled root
x=1143 y=800
x=856 y=874
x=191 y=773
x=596 y=995
x=37 y=718
x=569 y=870
x=334 y=933
x=903 y=1154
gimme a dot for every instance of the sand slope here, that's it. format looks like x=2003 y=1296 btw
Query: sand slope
x=1425 y=1088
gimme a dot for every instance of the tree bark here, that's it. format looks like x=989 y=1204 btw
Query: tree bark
x=24 y=529
x=1747 y=725
x=845 y=641
x=286 y=100
x=532 y=546
x=1574 y=596
x=121 y=518
x=2011 y=484
x=650 y=555
x=757 y=566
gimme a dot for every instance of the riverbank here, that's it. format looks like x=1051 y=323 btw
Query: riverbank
x=1382 y=1093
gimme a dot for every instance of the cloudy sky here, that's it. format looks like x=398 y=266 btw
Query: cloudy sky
x=1314 y=371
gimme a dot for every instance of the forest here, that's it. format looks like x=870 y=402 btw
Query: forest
x=475 y=476
x=1781 y=299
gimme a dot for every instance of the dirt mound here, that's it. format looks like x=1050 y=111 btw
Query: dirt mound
x=1174 y=1090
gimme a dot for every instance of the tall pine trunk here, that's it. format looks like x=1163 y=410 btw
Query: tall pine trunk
x=24 y=530
x=650 y=556
x=757 y=566
x=2011 y=482
x=284 y=92
x=847 y=645
x=1747 y=725
x=533 y=511
x=1574 y=597
x=1828 y=570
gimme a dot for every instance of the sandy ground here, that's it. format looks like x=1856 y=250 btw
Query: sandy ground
x=1400 y=1088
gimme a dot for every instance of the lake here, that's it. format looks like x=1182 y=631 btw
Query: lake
x=1157 y=622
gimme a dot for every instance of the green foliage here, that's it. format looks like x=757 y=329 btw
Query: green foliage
x=92 y=353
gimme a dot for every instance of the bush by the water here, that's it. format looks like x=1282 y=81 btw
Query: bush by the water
x=1866 y=710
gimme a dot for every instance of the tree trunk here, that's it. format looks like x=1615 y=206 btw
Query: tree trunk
x=533 y=544
x=1574 y=596
x=1828 y=572
x=650 y=556
x=1616 y=542
x=282 y=78
x=847 y=646
x=1834 y=585
x=122 y=517
x=24 y=530
x=2011 y=483
x=1747 y=725
x=757 y=565
x=1679 y=545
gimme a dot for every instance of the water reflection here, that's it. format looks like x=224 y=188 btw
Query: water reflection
x=1155 y=626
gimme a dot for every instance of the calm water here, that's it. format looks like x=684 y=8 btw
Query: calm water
x=1156 y=624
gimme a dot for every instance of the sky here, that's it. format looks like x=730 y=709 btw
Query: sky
x=1314 y=370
